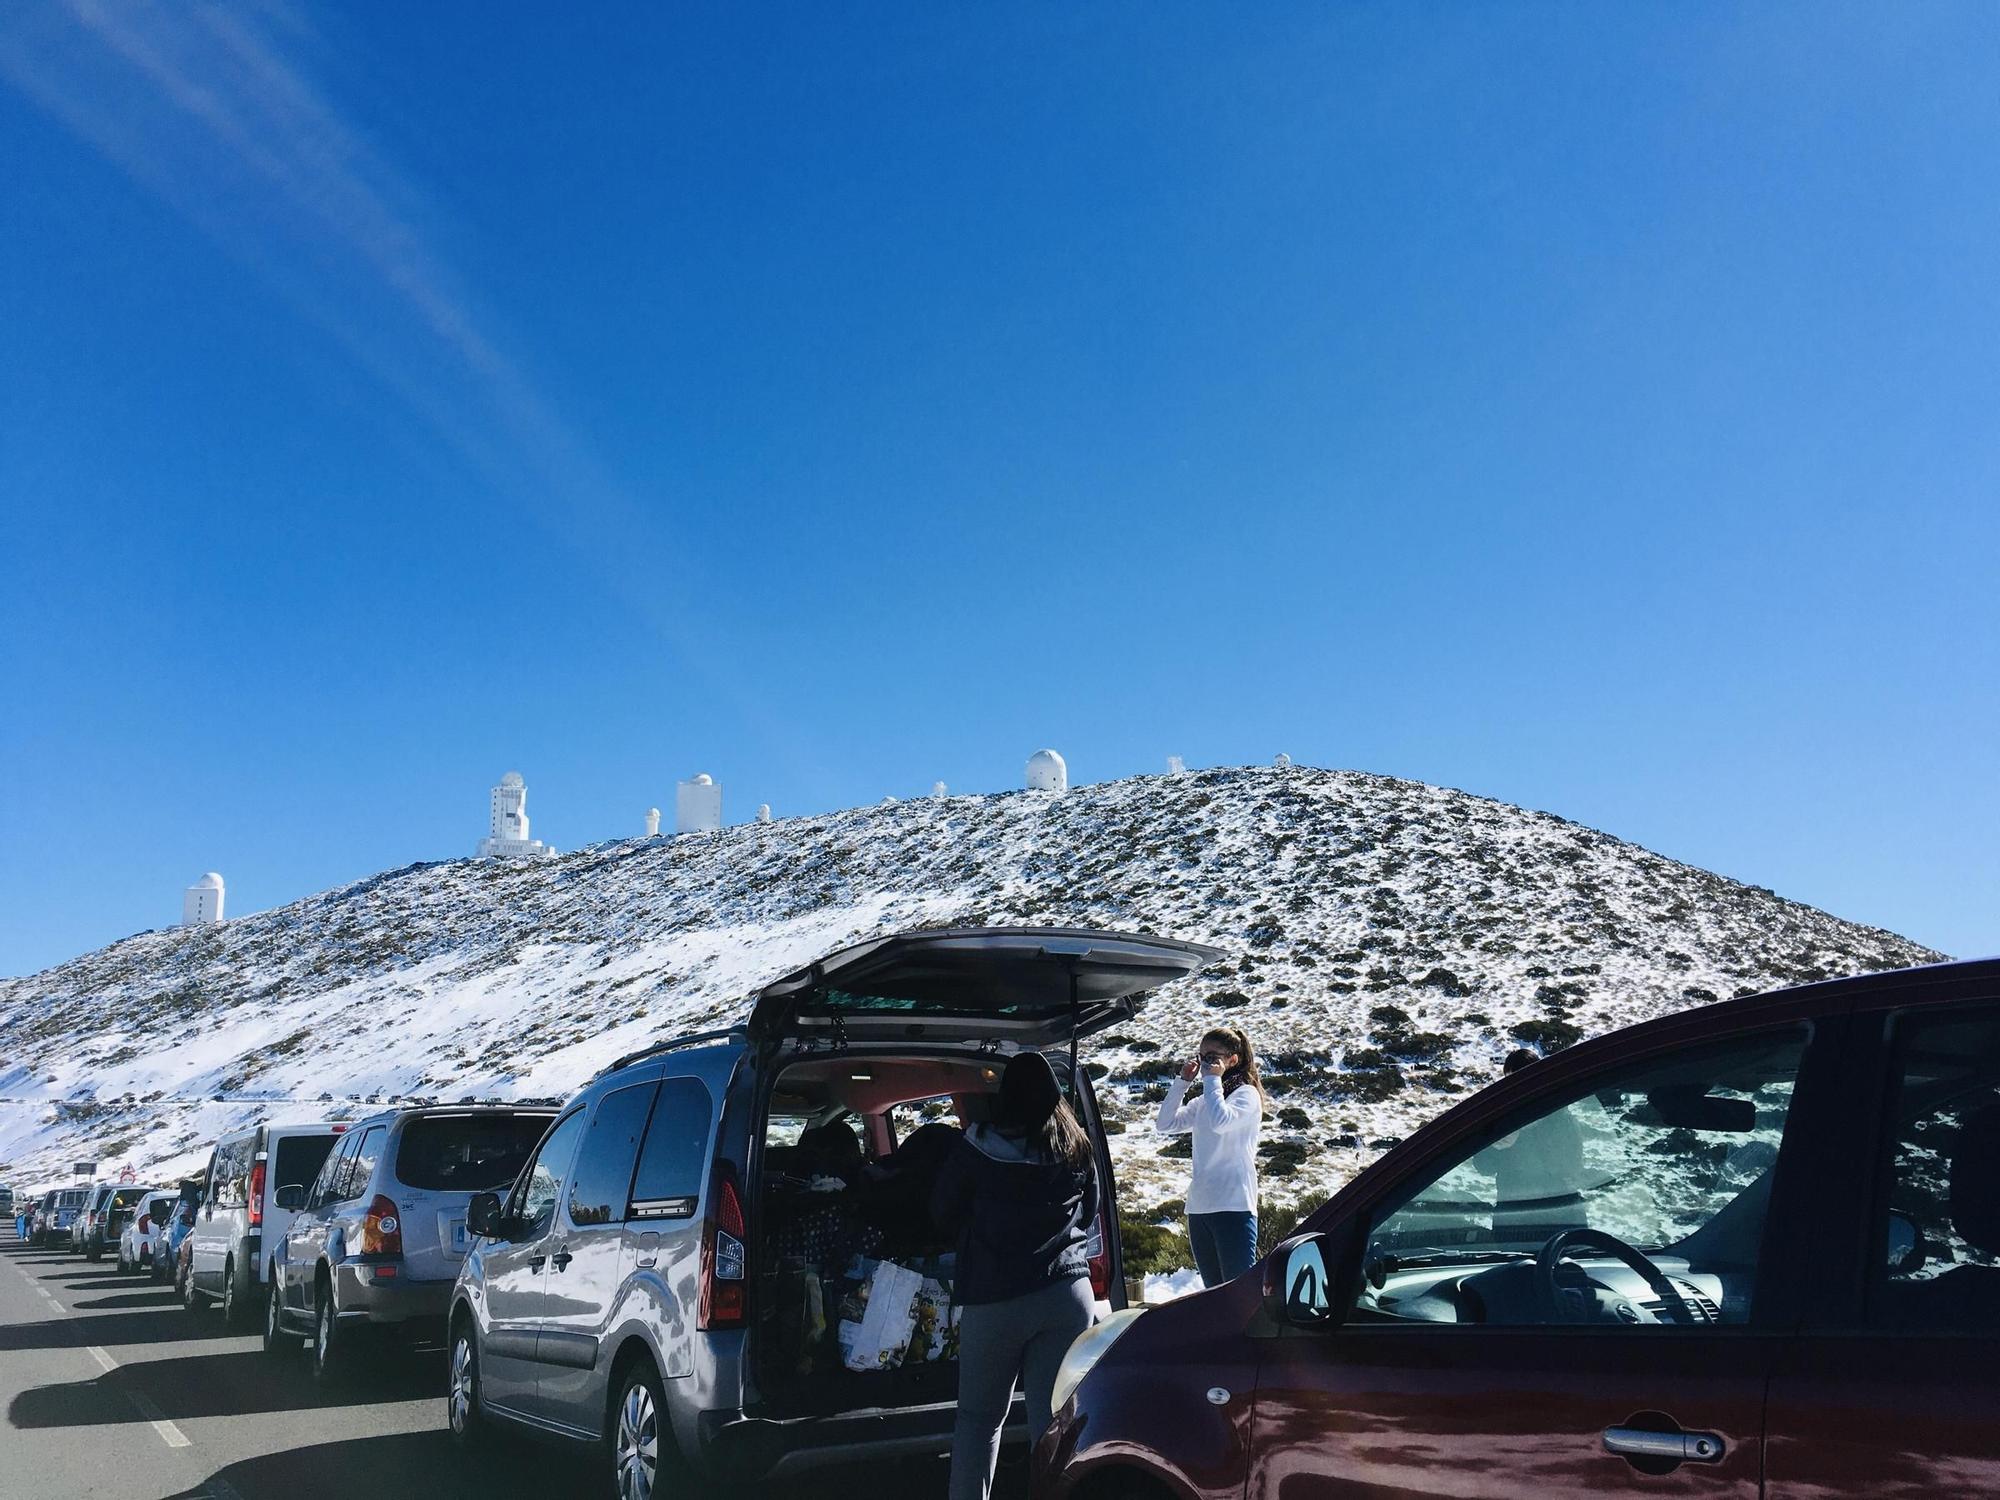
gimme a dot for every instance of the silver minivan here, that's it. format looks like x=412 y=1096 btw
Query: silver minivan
x=697 y=1268
x=377 y=1233
x=239 y=1220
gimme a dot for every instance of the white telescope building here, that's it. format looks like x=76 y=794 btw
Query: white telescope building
x=201 y=903
x=507 y=823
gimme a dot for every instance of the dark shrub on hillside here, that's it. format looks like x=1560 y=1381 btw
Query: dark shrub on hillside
x=1150 y=1249
x=1226 y=999
x=1180 y=1148
x=1546 y=1036
x=1278 y=1222
x=1294 y=1118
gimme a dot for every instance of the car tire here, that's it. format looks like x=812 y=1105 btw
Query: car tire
x=638 y=1445
x=331 y=1347
x=276 y=1339
x=190 y=1294
x=461 y=1396
x=233 y=1302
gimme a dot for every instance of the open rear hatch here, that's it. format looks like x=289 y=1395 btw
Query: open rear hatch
x=1032 y=986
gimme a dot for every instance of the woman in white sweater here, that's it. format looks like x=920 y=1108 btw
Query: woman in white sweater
x=1224 y=1116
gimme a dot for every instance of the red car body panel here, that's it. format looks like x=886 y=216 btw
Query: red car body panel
x=1807 y=1409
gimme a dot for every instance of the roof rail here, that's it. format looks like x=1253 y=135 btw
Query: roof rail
x=693 y=1039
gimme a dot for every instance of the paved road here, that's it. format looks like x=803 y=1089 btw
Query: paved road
x=112 y=1388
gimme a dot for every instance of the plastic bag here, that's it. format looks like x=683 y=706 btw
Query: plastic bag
x=879 y=1316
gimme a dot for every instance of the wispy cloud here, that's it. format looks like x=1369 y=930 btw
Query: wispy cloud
x=216 y=110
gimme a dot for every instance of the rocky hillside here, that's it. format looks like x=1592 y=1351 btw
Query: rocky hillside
x=1388 y=942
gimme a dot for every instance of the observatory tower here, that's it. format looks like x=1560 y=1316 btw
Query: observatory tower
x=698 y=805
x=1047 y=772
x=201 y=903
x=507 y=823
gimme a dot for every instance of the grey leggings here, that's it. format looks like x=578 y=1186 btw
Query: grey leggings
x=998 y=1341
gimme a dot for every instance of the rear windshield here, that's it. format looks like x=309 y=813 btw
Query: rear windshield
x=467 y=1153
x=298 y=1160
x=125 y=1197
x=70 y=1198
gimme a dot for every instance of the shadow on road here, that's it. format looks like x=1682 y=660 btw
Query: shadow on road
x=240 y=1383
x=407 y=1463
x=165 y=1325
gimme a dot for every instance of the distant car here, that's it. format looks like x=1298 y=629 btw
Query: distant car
x=105 y=1214
x=664 y=1282
x=55 y=1229
x=144 y=1228
x=179 y=1225
x=378 y=1235
x=1753 y=1248
x=240 y=1223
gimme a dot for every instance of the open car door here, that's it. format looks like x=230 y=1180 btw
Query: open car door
x=1033 y=986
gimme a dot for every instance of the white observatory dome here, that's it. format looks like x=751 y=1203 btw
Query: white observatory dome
x=209 y=882
x=1047 y=772
x=512 y=778
x=704 y=779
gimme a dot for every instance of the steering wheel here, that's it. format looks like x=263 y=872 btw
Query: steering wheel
x=1568 y=1309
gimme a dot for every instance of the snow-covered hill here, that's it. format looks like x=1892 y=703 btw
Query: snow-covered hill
x=1388 y=942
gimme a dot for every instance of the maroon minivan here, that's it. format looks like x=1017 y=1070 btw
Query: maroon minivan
x=1747 y=1251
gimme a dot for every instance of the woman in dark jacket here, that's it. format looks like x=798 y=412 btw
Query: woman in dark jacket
x=1020 y=1194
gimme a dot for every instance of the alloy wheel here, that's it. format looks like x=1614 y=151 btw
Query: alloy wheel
x=637 y=1454
x=464 y=1376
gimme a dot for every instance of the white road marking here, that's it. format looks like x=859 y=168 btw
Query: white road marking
x=171 y=1435
x=102 y=1358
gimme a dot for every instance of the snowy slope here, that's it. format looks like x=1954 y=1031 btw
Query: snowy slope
x=1388 y=940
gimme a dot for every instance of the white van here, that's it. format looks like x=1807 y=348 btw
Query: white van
x=238 y=1222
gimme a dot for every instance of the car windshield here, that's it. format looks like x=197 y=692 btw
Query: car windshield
x=467 y=1153
x=71 y=1198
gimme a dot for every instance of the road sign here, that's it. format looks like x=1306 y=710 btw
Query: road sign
x=126 y=1174
x=85 y=1168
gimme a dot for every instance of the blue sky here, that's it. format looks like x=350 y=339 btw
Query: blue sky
x=1591 y=407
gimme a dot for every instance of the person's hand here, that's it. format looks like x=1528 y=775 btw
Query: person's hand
x=1213 y=1069
x=1189 y=1068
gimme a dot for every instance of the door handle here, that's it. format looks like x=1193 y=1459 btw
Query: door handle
x=535 y=1262
x=1674 y=1447
x=562 y=1257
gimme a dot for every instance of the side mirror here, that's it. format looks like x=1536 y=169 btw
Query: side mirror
x=482 y=1214
x=1906 y=1245
x=1298 y=1282
x=291 y=1197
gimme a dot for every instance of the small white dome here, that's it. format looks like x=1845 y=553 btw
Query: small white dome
x=763 y=812
x=209 y=882
x=512 y=778
x=1047 y=772
x=652 y=812
x=939 y=789
x=704 y=779
x=1282 y=761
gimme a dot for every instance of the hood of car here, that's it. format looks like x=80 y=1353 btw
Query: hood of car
x=1031 y=986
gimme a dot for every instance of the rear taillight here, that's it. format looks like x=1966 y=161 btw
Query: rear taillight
x=1099 y=1251
x=381 y=1228
x=256 y=1194
x=722 y=1257
x=145 y=1224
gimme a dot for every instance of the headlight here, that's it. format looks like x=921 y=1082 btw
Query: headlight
x=1086 y=1351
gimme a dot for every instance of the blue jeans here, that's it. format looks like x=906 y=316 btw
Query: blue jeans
x=1225 y=1244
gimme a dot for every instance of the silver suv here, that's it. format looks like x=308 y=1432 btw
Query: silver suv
x=375 y=1241
x=680 y=1273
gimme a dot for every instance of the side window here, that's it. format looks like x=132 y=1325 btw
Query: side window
x=360 y=1169
x=542 y=1185
x=674 y=1162
x=599 y=1186
x=327 y=1188
x=1632 y=1201
x=209 y=1178
x=1938 y=1226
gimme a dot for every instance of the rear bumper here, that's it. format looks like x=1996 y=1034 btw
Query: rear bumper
x=739 y=1446
x=363 y=1294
